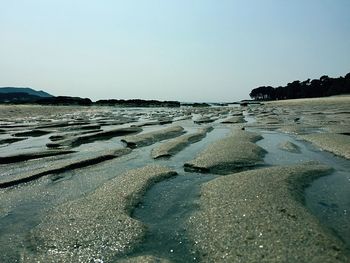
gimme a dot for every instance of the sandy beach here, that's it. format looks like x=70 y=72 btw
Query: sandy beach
x=262 y=183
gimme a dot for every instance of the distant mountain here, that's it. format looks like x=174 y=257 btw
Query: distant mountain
x=12 y=95
x=28 y=91
x=18 y=97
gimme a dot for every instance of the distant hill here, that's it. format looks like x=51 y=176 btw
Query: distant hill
x=28 y=91
x=18 y=97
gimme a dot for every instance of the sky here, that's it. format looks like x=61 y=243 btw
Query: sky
x=185 y=50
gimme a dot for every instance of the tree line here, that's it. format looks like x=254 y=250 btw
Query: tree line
x=323 y=87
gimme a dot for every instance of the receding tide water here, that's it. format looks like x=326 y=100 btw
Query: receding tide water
x=328 y=197
x=166 y=206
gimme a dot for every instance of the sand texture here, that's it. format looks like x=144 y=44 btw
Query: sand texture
x=75 y=141
x=60 y=167
x=258 y=216
x=289 y=147
x=338 y=144
x=97 y=226
x=144 y=259
x=232 y=153
x=152 y=137
x=176 y=145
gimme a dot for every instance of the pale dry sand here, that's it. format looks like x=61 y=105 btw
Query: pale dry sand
x=334 y=100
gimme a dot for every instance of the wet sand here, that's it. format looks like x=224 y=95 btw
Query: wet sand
x=258 y=216
x=32 y=111
x=233 y=153
x=77 y=206
x=321 y=121
x=97 y=226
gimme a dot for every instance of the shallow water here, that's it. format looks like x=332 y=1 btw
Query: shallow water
x=328 y=197
x=22 y=207
x=166 y=220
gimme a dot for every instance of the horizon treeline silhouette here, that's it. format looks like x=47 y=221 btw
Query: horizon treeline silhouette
x=323 y=87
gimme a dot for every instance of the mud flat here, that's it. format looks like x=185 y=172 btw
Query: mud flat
x=233 y=153
x=96 y=227
x=152 y=137
x=176 y=145
x=259 y=216
x=100 y=213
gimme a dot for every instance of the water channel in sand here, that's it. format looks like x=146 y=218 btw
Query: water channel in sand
x=328 y=197
x=167 y=205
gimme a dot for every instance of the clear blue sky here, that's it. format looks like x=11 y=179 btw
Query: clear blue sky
x=187 y=50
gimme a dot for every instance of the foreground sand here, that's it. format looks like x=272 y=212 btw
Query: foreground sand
x=258 y=216
x=95 y=227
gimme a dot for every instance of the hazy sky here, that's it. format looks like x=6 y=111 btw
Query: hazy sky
x=187 y=50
